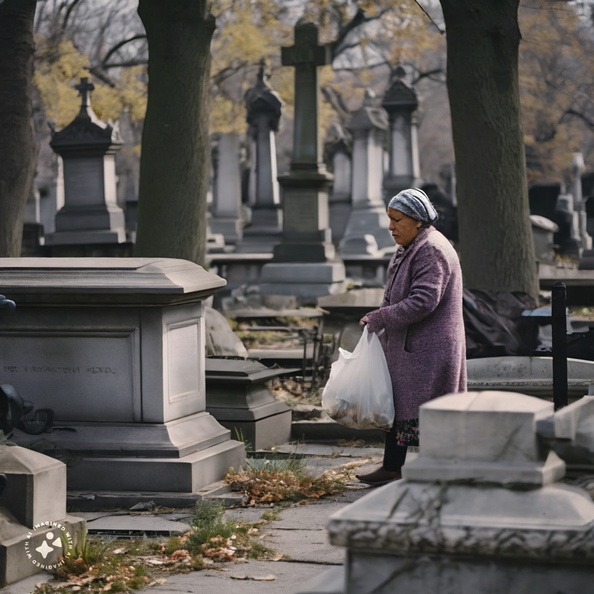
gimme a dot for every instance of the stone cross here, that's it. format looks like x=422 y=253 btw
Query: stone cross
x=306 y=55
x=84 y=88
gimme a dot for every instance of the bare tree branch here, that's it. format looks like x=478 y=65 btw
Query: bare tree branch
x=359 y=19
x=70 y=8
x=334 y=98
x=429 y=74
x=118 y=46
x=99 y=73
x=126 y=64
x=572 y=112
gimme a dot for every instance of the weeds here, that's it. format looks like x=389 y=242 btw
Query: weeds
x=96 y=565
x=288 y=479
x=239 y=436
x=212 y=538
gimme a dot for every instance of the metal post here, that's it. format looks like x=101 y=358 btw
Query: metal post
x=559 y=336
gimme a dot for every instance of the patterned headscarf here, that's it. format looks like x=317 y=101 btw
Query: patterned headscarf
x=416 y=204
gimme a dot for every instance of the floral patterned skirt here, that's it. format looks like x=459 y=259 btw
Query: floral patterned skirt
x=406 y=432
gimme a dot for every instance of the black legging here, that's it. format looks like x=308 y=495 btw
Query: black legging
x=394 y=453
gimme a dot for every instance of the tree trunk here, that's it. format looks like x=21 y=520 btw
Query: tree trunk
x=175 y=160
x=496 y=248
x=18 y=148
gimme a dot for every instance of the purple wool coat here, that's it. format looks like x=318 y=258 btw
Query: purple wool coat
x=424 y=339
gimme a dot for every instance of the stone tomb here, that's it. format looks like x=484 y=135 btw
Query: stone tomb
x=478 y=511
x=237 y=396
x=32 y=514
x=116 y=348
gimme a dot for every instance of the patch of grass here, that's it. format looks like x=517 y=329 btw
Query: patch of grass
x=288 y=479
x=223 y=539
x=249 y=446
x=96 y=565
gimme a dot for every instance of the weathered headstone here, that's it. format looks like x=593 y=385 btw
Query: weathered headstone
x=367 y=229
x=587 y=259
x=577 y=168
x=338 y=150
x=115 y=347
x=305 y=263
x=400 y=101
x=238 y=398
x=543 y=233
x=34 y=522
x=264 y=110
x=479 y=510
x=90 y=215
x=225 y=209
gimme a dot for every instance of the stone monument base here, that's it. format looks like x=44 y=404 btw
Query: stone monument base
x=230 y=227
x=33 y=512
x=237 y=397
x=16 y=540
x=305 y=281
x=179 y=456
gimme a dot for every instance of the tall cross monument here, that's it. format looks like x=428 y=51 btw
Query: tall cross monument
x=304 y=264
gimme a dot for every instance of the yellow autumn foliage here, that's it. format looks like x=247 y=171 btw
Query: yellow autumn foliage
x=59 y=68
x=554 y=73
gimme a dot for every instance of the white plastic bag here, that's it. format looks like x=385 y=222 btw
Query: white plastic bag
x=358 y=393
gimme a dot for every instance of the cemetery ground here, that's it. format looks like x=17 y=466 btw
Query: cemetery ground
x=232 y=535
x=263 y=526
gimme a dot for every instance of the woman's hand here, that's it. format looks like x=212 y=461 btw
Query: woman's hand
x=373 y=323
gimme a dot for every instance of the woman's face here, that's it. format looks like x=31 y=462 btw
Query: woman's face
x=402 y=227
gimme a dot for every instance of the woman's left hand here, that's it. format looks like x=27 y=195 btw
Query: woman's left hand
x=363 y=321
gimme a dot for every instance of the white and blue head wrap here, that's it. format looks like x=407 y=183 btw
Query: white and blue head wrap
x=416 y=204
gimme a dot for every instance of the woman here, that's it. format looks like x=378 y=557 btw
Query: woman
x=424 y=339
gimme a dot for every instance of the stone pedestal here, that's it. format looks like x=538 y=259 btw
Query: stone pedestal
x=90 y=215
x=400 y=101
x=115 y=347
x=238 y=398
x=32 y=512
x=478 y=511
x=264 y=109
x=338 y=151
x=226 y=205
x=304 y=263
x=367 y=230
x=570 y=433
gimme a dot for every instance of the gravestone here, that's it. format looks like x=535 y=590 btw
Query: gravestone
x=548 y=201
x=264 y=110
x=33 y=514
x=577 y=168
x=304 y=263
x=587 y=259
x=480 y=510
x=116 y=348
x=238 y=398
x=400 y=101
x=570 y=433
x=367 y=232
x=338 y=150
x=543 y=233
x=90 y=222
x=225 y=209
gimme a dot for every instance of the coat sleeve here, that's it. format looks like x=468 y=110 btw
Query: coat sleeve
x=430 y=273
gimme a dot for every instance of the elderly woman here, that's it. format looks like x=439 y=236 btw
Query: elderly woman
x=421 y=313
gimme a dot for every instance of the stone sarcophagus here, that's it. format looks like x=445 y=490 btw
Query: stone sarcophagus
x=115 y=348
